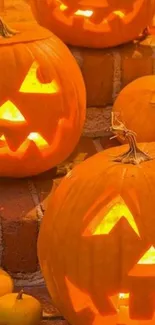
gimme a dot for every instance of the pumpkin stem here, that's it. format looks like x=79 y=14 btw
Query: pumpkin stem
x=134 y=155
x=5 y=30
x=20 y=295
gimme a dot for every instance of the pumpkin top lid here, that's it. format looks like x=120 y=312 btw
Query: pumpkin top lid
x=21 y=33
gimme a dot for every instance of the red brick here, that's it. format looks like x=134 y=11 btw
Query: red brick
x=137 y=61
x=54 y=322
x=97 y=70
x=43 y=185
x=22 y=204
x=19 y=242
x=84 y=149
x=102 y=74
x=107 y=143
x=20 y=211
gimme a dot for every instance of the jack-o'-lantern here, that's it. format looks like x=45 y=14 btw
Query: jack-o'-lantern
x=96 y=244
x=42 y=101
x=94 y=23
x=135 y=107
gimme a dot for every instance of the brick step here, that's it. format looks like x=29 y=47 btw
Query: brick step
x=107 y=71
x=22 y=205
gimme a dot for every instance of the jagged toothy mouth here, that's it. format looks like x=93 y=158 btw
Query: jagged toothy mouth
x=34 y=137
x=11 y=116
x=96 y=15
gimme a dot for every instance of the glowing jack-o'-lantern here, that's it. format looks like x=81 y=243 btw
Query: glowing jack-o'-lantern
x=96 y=245
x=94 y=23
x=42 y=102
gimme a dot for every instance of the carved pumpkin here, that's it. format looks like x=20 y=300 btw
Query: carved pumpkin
x=94 y=23
x=42 y=101
x=135 y=107
x=96 y=244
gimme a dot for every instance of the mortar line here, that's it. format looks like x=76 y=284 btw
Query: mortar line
x=1 y=242
x=98 y=145
x=36 y=201
x=117 y=75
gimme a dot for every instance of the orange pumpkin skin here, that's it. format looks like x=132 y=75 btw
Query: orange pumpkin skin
x=99 y=22
x=98 y=225
x=135 y=107
x=42 y=102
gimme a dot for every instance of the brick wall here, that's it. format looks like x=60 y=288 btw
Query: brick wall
x=106 y=72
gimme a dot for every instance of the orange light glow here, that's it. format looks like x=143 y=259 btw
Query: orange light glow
x=124 y=295
x=34 y=136
x=146 y=265
x=89 y=13
x=85 y=13
x=119 y=14
x=31 y=84
x=37 y=139
x=8 y=111
x=2 y=138
x=63 y=7
x=108 y=217
x=148 y=257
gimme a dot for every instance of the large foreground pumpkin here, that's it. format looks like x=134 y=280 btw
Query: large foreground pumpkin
x=135 y=107
x=94 y=23
x=42 y=101
x=96 y=245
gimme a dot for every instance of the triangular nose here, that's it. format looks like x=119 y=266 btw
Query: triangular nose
x=9 y=112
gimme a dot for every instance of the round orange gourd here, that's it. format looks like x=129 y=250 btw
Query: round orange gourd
x=20 y=309
x=94 y=23
x=6 y=283
x=135 y=107
x=42 y=101
x=96 y=244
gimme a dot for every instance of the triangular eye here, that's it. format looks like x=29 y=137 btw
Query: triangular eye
x=146 y=265
x=9 y=112
x=148 y=257
x=108 y=217
x=31 y=83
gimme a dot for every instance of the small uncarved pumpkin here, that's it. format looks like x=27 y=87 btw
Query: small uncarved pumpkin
x=20 y=309
x=42 y=100
x=6 y=283
x=135 y=107
x=96 y=244
x=94 y=23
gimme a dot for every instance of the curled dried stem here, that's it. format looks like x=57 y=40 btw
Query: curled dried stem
x=134 y=155
x=5 y=30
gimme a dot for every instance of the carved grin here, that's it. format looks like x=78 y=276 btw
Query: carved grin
x=11 y=120
x=36 y=138
x=93 y=15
